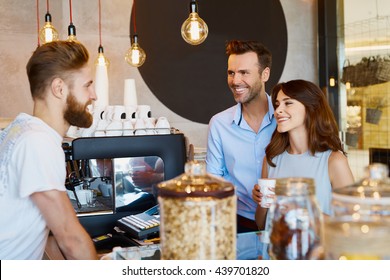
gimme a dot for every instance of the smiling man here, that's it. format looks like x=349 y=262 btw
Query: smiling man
x=33 y=199
x=238 y=136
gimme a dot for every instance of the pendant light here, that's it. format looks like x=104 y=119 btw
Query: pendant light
x=101 y=59
x=71 y=27
x=194 y=30
x=101 y=72
x=48 y=33
x=135 y=56
x=38 y=40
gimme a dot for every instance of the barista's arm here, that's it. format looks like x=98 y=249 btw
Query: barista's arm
x=73 y=240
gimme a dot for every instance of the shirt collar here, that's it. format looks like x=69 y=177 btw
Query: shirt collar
x=238 y=112
x=271 y=109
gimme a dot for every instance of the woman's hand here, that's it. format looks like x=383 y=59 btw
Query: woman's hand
x=256 y=194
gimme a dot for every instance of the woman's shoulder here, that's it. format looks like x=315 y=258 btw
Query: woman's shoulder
x=338 y=162
x=337 y=155
x=339 y=171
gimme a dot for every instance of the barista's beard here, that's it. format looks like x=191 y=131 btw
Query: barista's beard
x=76 y=114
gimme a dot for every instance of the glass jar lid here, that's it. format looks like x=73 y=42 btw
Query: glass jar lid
x=373 y=189
x=195 y=182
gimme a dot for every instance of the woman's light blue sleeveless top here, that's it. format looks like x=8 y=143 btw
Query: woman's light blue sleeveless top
x=306 y=165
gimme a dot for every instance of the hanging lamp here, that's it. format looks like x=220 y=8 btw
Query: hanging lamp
x=101 y=59
x=38 y=39
x=135 y=56
x=194 y=30
x=48 y=33
x=71 y=27
x=101 y=72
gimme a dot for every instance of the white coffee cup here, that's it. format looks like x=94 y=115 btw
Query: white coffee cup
x=139 y=127
x=108 y=113
x=98 y=112
x=266 y=185
x=162 y=126
x=127 y=124
x=131 y=112
x=82 y=196
x=105 y=189
x=102 y=124
x=115 y=128
x=143 y=111
x=149 y=126
x=119 y=113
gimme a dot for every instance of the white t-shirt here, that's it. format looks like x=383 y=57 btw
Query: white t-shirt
x=32 y=156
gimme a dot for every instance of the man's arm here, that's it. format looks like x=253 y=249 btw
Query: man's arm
x=215 y=163
x=73 y=240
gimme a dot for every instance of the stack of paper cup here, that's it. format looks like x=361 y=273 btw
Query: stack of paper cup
x=162 y=126
x=101 y=85
x=130 y=94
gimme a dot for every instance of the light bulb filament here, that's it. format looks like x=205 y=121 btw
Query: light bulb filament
x=48 y=32
x=102 y=60
x=135 y=56
x=195 y=30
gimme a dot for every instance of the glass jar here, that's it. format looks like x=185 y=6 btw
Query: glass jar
x=294 y=220
x=197 y=215
x=360 y=225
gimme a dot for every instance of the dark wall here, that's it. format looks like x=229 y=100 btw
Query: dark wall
x=191 y=80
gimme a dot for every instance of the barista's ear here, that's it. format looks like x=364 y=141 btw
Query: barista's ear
x=265 y=74
x=57 y=87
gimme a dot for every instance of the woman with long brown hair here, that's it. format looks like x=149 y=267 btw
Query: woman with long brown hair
x=306 y=143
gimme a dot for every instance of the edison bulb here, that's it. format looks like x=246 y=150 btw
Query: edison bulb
x=102 y=59
x=135 y=56
x=48 y=33
x=194 y=30
x=72 y=33
x=72 y=38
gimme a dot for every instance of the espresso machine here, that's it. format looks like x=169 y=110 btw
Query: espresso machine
x=111 y=166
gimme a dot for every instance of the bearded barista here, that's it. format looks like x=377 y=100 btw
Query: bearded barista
x=32 y=162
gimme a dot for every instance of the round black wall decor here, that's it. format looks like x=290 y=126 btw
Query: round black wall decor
x=191 y=80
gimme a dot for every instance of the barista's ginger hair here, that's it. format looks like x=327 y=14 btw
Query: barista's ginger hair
x=57 y=59
x=240 y=47
x=319 y=120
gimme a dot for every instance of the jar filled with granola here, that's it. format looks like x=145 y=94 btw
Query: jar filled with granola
x=360 y=225
x=294 y=220
x=197 y=216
